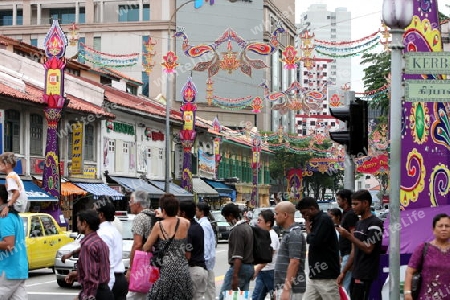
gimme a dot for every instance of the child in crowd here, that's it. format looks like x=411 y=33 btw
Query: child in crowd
x=17 y=198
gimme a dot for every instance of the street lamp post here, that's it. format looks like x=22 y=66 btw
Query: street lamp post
x=397 y=14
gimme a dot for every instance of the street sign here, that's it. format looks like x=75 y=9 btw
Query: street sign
x=427 y=90
x=427 y=63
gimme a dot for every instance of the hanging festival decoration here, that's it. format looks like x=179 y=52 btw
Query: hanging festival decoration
x=386 y=35
x=73 y=34
x=170 y=62
x=230 y=60
x=340 y=43
x=307 y=47
x=106 y=59
x=289 y=57
x=354 y=50
x=294 y=188
x=296 y=98
x=257 y=105
x=188 y=134
x=149 y=53
x=209 y=91
x=335 y=101
x=232 y=103
x=256 y=153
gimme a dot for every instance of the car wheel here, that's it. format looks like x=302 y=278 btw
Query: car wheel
x=63 y=283
x=53 y=270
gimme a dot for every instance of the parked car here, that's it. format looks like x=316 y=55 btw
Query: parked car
x=62 y=269
x=223 y=228
x=43 y=238
x=298 y=218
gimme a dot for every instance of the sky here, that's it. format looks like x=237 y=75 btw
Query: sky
x=366 y=19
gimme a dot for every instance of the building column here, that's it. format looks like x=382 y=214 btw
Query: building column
x=102 y=7
x=38 y=10
x=26 y=12
x=77 y=12
x=141 y=11
x=14 y=17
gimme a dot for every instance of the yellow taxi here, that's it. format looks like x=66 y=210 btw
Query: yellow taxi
x=43 y=238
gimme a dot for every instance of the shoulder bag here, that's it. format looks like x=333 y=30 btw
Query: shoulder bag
x=158 y=256
x=417 y=276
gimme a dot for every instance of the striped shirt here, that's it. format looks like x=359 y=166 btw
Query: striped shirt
x=93 y=265
x=293 y=245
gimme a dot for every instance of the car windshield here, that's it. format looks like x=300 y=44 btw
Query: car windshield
x=126 y=229
x=218 y=216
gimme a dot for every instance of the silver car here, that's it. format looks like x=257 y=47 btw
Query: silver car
x=63 y=269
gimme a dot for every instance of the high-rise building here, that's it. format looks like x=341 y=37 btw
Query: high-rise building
x=112 y=35
x=330 y=26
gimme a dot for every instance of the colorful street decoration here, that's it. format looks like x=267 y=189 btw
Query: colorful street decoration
x=199 y=3
x=294 y=188
x=106 y=59
x=170 y=62
x=73 y=34
x=289 y=57
x=188 y=134
x=374 y=165
x=425 y=140
x=230 y=60
x=148 y=54
x=55 y=46
x=209 y=91
x=307 y=48
x=346 y=48
x=216 y=143
x=296 y=97
x=256 y=153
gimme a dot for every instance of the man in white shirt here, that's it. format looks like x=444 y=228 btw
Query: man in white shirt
x=264 y=273
x=202 y=212
x=111 y=236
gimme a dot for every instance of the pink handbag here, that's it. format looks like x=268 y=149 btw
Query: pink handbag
x=140 y=272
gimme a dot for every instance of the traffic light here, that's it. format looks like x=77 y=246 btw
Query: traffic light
x=356 y=136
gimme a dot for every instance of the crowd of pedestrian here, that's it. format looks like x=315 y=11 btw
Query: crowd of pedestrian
x=344 y=251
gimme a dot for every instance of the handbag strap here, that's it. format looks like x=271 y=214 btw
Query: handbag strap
x=171 y=239
x=424 y=252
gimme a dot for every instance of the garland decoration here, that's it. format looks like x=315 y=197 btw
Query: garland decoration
x=348 y=54
x=106 y=59
x=233 y=103
x=148 y=54
x=323 y=42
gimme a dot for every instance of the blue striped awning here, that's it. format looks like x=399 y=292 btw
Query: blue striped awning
x=34 y=192
x=100 y=189
x=133 y=184
x=223 y=189
x=178 y=191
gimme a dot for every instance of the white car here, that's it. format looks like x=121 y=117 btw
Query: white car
x=63 y=269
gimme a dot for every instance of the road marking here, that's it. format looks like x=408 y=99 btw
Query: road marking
x=39 y=283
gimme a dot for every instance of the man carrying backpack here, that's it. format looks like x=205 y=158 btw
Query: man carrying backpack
x=240 y=252
x=289 y=277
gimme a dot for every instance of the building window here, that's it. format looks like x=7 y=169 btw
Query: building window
x=89 y=142
x=333 y=124
x=105 y=80
x=312 y=123
x=145 y=87
x=34 y=42
x=98 y=43
x=132 y=89
x=130 y=13
x=6 y=17
x=67 y=15
x=36 y=136
x=12 y=131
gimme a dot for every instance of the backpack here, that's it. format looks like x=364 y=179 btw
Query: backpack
x=262 y=251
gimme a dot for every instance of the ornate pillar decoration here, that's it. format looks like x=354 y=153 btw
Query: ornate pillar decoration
x=187 y=134
x=55 y=47
x=256 y=150
x=216 y=128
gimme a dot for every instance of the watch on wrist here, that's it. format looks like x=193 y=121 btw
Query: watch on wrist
x=407 y=292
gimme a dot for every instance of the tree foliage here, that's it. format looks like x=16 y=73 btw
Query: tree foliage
x=375 y=76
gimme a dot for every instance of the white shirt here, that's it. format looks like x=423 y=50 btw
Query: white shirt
x=13 y=182
x=275 y=245
x=210 y=243
x=111 y=236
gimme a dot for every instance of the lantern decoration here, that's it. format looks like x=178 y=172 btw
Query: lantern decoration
x=216 y=125
x=55 y=46
x=73 y=34
x=147 y=56
x=230 y=60
x=307 y=47
x=170 y=62
x=188 y=134
x=148 y=133
x=256 y=152
x=290 y=58
x=209 y=91
x=257 y=105
x=386 y=35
